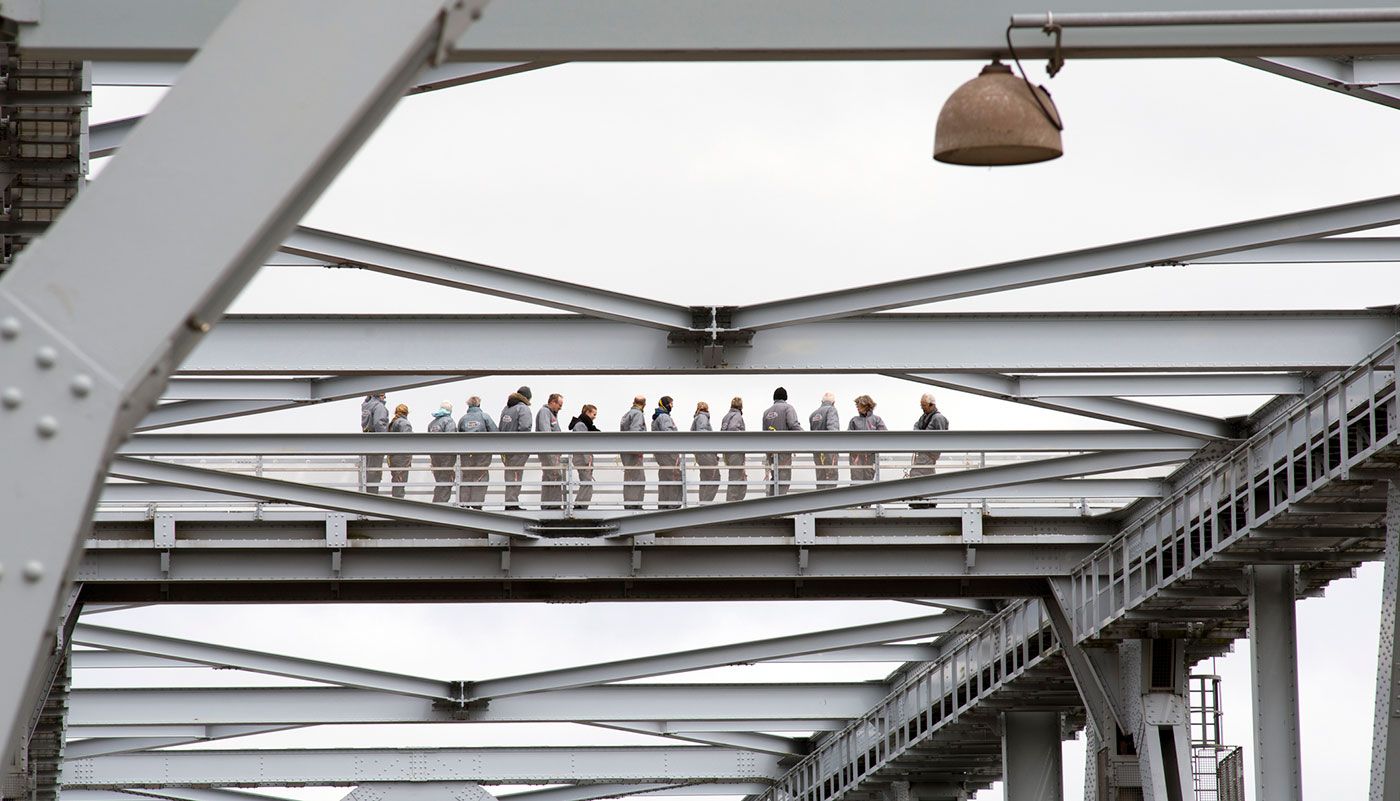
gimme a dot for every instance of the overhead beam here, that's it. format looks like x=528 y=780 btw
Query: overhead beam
x=308 y=706
x=91 y=332
x=1277 y=341
x=1337 y=74
x=1116 y=410
x=458 y=274
x=636 y=30
x=1155 y=251
x=101 y=746
x=883 y=491
x=223 y=656
x=666 y=442
x=317 y=390
x=346 y=766
x=268 y=489
x=717 y=656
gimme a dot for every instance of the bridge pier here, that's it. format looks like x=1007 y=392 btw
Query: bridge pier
x=1273 y=640
x=1030 y=756
x=1385 y=761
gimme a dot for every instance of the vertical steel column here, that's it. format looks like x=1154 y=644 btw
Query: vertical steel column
x=96 y=315
x=1385 y=745
x=1030 y=756
x=1278 y=772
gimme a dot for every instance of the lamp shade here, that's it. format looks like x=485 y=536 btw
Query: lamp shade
x=994 y=120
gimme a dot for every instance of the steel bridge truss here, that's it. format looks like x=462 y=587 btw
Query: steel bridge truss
x=1079 y=574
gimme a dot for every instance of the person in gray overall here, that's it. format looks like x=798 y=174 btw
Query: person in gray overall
x=551 y=474
x=669 y=489
x=476 y=467
x=708 y=462
x=444 y=464
x=374 y=419
x=780 y=417
x=825 y=419
x=924 y=461
x=634 y=475
x=399 y=463
x=865 y=466
x=515 y=418
x=583 y=462
x=738 y=486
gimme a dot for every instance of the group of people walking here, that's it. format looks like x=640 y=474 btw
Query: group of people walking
x=470 y=471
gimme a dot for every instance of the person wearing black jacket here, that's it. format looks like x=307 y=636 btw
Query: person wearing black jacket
x=931 y=420
x=583 y=462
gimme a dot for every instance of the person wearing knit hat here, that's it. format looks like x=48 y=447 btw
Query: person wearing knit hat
x=374 y=419
x=825 y=418
x=400 y=462
x=444 y=464
x=516 y=418
x=476 y=466
x=780 y=417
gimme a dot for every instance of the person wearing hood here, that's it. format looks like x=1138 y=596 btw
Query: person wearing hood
x=399 y=463
x=515 y=418
x=444 y=464
x=738 y=473
x=865 y=466
x=374 y=419
x=583 y=462
x=780 y=417
x=707 y=462
x=825 y=419
x=669 y=489
x=924 y=461
x=634 y=475
x=551 y=475
x=476 y=467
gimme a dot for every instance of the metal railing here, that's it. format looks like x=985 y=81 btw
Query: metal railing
x=1327 y=434
x=935 y=695
x=605 y=480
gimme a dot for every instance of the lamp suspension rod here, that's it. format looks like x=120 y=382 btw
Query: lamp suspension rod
x=1152 y=18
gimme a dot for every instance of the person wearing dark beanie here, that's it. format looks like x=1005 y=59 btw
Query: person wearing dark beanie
x=525 y=391
x=780 y=417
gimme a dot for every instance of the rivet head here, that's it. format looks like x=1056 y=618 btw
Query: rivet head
x=82 y=385
x=9 y=328
x=46 y=357
x=48 y=426
x=11 y=398
x=33 y=570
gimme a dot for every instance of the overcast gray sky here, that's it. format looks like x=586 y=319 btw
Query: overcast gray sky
x=739 y=183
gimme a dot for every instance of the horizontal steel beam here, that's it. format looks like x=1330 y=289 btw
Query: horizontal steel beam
x=144 y=741
x=725 y=30
x=304 y=706
x=321 y=497
x=350 y=251
x=717 y=656
x=578 y=792
x=1049 y=342
x=651 y=441
x=128 y=493
x=853 y=554
x=1161 y=250
x=284 y=768
x=135 y=642
x=747 y=740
